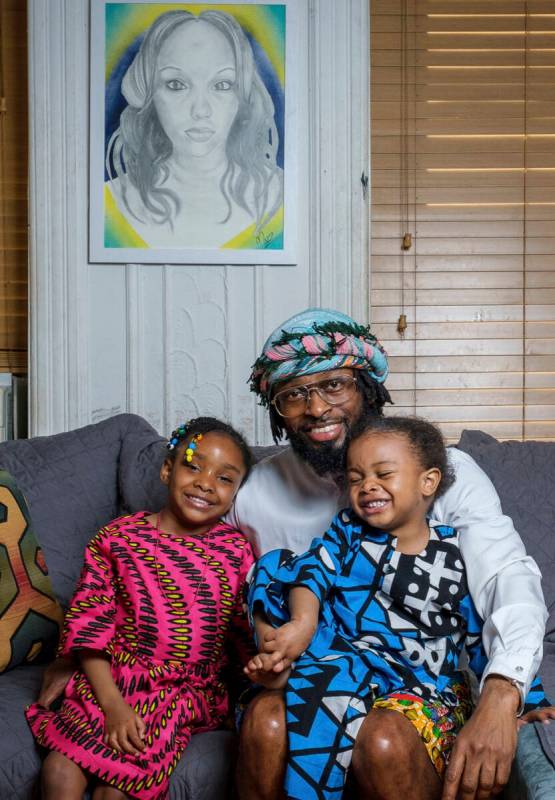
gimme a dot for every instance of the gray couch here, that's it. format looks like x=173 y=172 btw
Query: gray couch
x=75 y=482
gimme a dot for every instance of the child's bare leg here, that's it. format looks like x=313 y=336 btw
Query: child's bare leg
x=60 y=777
x=104 y=792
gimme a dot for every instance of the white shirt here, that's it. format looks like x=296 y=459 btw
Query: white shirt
x=284 y=504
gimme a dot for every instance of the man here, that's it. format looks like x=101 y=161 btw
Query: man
x=319 y=373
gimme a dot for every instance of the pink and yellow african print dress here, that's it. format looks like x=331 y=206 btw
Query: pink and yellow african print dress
x=168 y=611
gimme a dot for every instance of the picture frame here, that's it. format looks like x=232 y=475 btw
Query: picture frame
x=193 y=132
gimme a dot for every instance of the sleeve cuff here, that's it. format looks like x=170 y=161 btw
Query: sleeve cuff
x=517 y=668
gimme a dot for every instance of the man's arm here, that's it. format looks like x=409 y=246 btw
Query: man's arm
x=505 y=583
x=480 y=763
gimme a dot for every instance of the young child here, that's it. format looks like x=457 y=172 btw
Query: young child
x=375 y=615
x=157 y=605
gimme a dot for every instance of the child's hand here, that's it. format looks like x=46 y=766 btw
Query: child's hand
x=544 y=715
x=124 y=730
x=260 y=669
x=55 y=679
x=287 y=643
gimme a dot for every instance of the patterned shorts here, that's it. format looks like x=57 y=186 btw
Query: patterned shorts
x=437 y=724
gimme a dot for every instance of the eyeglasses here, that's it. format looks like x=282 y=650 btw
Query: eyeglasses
x=333 y=391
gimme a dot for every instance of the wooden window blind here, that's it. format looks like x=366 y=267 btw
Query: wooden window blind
x=13 y=186
x=463 y=160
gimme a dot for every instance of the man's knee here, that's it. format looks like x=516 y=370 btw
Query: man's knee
x=264 y=721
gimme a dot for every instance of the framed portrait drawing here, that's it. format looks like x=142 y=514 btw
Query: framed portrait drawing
x=193 y=132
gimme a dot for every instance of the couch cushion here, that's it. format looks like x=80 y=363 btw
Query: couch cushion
x=20 y=762
x=522 y=473
x=70 y=481
x=205 y=772
x=532 y=775
x=30 y=615
x=139 y=473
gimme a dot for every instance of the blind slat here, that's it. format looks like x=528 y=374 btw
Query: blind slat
x=468 y=168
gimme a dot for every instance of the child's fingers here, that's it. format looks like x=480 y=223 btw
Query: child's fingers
x=141 y=726
x=274 y=658
x=127 y=745
x=134 y=739
x=254 y=664
x=545 y=715
x=538 y=715
x=129 y=740
x=111 y=740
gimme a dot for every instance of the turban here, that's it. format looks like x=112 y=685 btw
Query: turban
x=314 y=341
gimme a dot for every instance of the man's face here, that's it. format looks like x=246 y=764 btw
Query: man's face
x=319 y=433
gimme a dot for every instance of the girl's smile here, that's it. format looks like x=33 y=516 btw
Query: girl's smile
x=202 y=489
x=374 y=506
x=389 y=488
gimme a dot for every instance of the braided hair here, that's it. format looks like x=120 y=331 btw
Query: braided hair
x=201 y=425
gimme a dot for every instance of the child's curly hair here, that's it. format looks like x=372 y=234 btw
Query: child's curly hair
x=424 y=438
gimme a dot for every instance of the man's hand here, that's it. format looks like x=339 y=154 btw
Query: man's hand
x=481 y=760
x=124 y=730
x=54 y=680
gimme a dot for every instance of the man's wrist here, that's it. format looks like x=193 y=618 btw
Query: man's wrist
x=505 y=688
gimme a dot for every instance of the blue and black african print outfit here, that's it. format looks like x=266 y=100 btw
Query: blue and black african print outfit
x=391 y=632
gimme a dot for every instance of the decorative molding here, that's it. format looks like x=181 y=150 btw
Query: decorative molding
x=135 y=346
x=188 y=371
x=58 y=73
x=338 y=122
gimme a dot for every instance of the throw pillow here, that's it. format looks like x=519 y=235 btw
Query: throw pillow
x=30 y=615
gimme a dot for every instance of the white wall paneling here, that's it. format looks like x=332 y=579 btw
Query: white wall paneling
x=338 y=155
x=163 y=341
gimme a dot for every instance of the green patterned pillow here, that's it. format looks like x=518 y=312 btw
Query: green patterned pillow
x=30 y=615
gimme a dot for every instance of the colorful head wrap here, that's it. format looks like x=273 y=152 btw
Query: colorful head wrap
x=313 y=341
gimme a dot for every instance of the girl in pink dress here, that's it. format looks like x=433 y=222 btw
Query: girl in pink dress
x=158 y=607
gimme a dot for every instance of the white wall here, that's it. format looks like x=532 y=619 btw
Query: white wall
x=168 y=342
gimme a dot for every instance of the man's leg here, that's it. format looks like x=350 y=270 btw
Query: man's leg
x=390 y=760
x=263 y=748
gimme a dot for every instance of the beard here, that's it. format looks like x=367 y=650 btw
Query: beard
x=329 y=458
